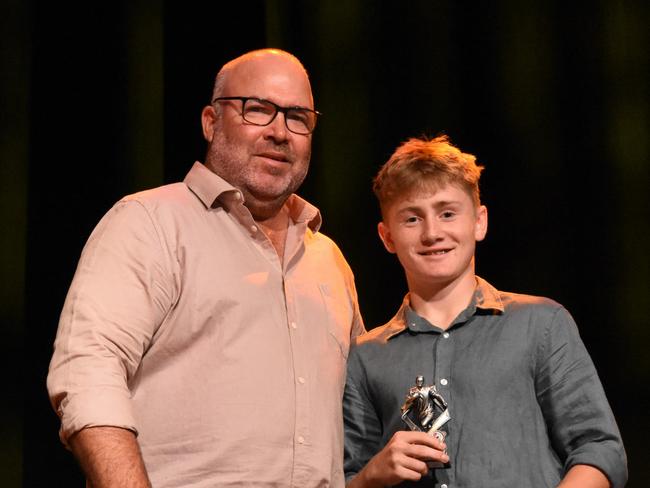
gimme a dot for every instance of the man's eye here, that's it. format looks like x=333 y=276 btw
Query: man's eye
x=448 y=214
x=411 y=220
x=258 y=108
x=298 y=115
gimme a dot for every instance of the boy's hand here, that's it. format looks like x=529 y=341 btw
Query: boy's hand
x=403 y=458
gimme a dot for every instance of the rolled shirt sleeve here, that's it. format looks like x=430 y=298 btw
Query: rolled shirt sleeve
x=580 y=422
x=121 y=291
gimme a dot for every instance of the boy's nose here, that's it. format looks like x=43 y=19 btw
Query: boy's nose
x=430 y=232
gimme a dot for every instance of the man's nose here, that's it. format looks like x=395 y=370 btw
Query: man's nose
x=277 y=129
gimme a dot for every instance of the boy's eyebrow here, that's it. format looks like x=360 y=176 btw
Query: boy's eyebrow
x=410 y=208
x=442 y=203
x=447 y=203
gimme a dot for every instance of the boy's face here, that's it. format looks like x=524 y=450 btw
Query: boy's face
x=434 y=235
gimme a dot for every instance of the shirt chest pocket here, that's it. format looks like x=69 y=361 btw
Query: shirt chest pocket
x=339 y=315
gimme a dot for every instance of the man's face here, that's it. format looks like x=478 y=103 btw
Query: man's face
x=434 y=235
x=267 y=163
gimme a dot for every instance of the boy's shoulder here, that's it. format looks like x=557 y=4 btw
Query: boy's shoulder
x=381 y=334
x=493 y=302
x=505 y=302
x=533 y=306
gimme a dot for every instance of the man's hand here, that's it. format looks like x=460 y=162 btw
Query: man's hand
x=404 y=458
x=110 y=457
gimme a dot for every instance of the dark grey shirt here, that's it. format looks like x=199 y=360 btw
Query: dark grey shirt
x=525 y=400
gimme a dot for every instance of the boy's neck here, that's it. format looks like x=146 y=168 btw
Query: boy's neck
x=440 y=304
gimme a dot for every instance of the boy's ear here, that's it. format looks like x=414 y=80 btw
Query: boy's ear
x=384 y=234
x=481 y=225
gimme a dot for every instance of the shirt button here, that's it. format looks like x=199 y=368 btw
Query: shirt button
x=294 y=325
x=445 y=335
x=301 y=439
x=237 y=196
x=443 y=381
x=443 y=486
x=253 y=229
x=301 y=380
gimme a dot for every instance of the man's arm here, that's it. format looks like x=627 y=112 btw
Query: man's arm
x=402 y=459
x=584 y=476
x=109 y=457
x=121 y=292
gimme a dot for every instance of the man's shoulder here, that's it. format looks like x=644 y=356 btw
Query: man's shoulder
x=161 y=195
x=163 y=206
x=165 y=203
x=323 y=239
x=325 y=245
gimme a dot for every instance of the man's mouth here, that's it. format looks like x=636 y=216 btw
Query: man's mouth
x=276 y=156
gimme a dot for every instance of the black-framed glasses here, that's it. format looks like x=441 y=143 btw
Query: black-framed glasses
x=257 y=111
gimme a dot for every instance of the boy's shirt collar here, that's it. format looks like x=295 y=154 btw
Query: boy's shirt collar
x=486 y=300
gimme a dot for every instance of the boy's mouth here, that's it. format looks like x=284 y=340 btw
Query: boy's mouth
x=438 y=252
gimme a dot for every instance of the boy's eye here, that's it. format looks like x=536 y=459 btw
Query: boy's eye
x=411 y=219
x=448 y=214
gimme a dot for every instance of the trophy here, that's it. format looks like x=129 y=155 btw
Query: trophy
x=425 y=410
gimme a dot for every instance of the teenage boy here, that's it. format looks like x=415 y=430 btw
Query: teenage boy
x=527 y=408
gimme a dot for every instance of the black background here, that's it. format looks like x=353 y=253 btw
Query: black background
x=103 y=99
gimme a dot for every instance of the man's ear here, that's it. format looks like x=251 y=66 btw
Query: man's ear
x=481 y=225
x=384 y=234
x=208 y=119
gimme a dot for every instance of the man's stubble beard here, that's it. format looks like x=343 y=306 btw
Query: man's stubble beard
x=231 y=163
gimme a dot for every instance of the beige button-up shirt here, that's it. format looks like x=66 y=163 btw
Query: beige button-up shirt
x=183 y=325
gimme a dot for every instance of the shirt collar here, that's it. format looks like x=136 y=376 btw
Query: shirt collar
x=214 y=192
x=301 y=211
x=486 y=300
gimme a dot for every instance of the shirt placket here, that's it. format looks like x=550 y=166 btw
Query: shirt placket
x=301 y=383
x=444 y=349
x=301 y=437
x=299 y=370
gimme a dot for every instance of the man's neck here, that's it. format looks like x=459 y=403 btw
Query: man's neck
x=276 y=228
x=441 y=304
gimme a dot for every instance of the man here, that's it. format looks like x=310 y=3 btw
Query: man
x=527 y=408
x=204 y=338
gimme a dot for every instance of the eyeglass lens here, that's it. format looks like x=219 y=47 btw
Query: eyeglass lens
x=261 y=112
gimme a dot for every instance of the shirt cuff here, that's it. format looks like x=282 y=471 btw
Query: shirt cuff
x=96 y=408
x=609 y=457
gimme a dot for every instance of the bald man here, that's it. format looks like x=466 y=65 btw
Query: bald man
x=204 y=338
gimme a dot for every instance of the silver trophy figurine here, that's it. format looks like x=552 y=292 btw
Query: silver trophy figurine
x=420 y=408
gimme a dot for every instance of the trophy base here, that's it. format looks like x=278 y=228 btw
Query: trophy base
x=441 y=437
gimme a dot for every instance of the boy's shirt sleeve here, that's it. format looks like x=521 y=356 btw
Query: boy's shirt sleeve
x=580 y=422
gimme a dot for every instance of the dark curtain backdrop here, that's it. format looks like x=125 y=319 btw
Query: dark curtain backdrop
x=103 y=99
